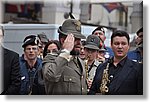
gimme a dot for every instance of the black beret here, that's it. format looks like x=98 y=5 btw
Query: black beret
x=30 y=40
x=99 y=28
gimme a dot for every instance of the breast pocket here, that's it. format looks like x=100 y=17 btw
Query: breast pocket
x=70 y=83
x=24 y=85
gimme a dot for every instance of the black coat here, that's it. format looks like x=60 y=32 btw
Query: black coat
x=11 y=73
x=129 y=82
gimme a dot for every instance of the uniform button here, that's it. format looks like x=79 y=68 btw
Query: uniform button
x=82 y=88
x=82 y=76
x=70 y=79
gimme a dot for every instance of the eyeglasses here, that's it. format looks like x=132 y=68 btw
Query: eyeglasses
x=90 y=50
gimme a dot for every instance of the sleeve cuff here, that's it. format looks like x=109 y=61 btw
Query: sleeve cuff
x=65 y=54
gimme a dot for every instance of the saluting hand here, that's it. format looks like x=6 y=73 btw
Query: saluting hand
x=69 y=42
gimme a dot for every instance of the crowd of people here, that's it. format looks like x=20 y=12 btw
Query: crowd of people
x=73 y=66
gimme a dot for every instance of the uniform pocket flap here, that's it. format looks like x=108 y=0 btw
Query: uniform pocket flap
x=69 y=79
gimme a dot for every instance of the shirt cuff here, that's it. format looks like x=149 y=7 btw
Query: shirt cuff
x=65 y=54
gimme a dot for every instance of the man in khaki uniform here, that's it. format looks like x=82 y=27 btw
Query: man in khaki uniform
x=64 y=72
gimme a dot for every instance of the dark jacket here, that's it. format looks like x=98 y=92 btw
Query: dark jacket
x=129 y=80
x=36 y=84
x=11 y=77
x=135 y=55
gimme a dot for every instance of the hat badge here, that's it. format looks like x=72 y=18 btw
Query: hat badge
x=92 y=40
x=36 y=40
x=102 y=29
x=78 y=25
x=27 y=40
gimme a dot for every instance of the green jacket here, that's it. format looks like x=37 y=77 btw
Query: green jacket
x=63 y=77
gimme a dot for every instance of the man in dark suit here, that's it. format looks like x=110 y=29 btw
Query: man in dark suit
x=119 y=75
x=10 y=70
x=11 y=77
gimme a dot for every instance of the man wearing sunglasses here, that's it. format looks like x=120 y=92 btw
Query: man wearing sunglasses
x=91 y=49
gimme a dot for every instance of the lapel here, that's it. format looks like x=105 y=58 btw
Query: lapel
x=80 y=70
x=124 y=73
x=82 y=65
x=73 y=65
x=5 y=52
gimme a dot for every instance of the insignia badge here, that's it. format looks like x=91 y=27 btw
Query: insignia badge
x=27 y=40
x=23 y=77
x=92 y=40
x=35 y=41
x=102 y=29
x=78 y=25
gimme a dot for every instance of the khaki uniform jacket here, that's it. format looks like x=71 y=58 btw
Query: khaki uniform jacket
x=93 y=70
x=63 y=77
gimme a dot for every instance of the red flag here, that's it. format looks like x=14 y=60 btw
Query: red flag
x=112 y=6
x=13 y=8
